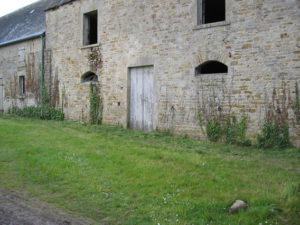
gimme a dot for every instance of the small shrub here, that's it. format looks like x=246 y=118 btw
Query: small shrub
x=52 y=114
x=213 y=130
x=274 y=136
x=230 y=130
x=235 y=131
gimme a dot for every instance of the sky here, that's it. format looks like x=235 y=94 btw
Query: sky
x=8 y=6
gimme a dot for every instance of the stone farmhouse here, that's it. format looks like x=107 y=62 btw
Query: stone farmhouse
x=156 y=64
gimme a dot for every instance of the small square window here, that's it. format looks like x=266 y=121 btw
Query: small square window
x=90 y=28
x=210 y=11
x=22 y=85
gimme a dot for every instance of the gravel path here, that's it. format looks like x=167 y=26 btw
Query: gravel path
x=17 y=210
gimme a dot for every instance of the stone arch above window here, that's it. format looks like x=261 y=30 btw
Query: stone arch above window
x=211 y=67
x=89 y=77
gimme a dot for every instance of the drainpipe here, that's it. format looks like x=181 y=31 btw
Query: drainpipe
x=43 y=72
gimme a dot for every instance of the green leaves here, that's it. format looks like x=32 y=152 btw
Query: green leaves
x=45 y=113
x=233 y=131
x=213 y=130
x=95 y=107
x=274 y=136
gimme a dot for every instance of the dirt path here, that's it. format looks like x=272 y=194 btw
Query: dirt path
x=16 y=210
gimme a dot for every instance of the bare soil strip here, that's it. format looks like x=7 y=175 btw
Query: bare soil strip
x=15 y=209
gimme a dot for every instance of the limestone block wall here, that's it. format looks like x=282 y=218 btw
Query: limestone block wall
x=259 y=42
x=21 y=59
x=70 y=60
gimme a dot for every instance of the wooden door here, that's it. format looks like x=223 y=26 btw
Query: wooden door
x=1 y=95
x=141 y=98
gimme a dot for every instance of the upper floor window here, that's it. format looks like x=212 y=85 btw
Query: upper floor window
x=211 y=67
x=210 y=11
x=90 y=28
x=22 y=85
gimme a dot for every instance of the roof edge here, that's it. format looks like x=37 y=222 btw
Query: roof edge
x=56 y=6
x=32 y=36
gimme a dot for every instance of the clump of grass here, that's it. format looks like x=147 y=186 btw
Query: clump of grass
x=291 y=190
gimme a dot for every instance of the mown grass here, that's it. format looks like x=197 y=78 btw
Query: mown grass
x=119 y=176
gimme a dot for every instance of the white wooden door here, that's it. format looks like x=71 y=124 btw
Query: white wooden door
x=141 y=98
x=1 y=95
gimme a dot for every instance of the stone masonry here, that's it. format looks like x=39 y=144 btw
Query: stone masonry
x=21 y=59
x=259 y=42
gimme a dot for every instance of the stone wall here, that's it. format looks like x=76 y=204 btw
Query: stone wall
x=21 y=59
x=259 y=42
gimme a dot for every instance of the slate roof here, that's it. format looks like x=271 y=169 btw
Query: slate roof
x=59 y=3
x=25 y=23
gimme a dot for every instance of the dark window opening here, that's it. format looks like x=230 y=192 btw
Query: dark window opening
x=22 y=85
x=90 y=28
x=211 y=67
x=211 y=11
x=89 y=77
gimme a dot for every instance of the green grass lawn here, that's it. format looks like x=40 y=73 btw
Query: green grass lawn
x=118 y=176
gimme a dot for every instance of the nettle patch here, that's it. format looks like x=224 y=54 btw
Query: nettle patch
x=215 y=116
x=275 y=132
x=232 y=131
x=219 y=123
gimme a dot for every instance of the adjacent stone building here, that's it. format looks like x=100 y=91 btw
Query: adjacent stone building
x=22 y=35
x=165 y=64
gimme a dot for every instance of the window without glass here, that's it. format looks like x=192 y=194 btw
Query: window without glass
x=211 y=67
x=210 y=11
x=22 y=85
x=90 y=28
x=89 y=77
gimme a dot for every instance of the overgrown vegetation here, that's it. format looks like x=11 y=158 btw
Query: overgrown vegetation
x=119 y=176
x=221 y=125
x=213 y=130
x=275 y=131
x=232 y=131
x=95 y=106
x=235 y=131
x=44 y=111
x=274 y=136
x=277 y=110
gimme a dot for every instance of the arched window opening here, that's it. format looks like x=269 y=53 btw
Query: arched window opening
x=211 y=67
x=89 y=77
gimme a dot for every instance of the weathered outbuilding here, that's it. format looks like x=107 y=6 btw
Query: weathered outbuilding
x=164 y=64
